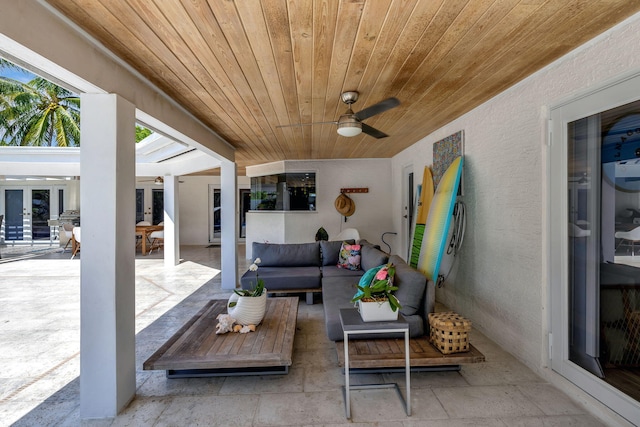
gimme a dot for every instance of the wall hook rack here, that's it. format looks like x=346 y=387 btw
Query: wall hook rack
x=355 y=190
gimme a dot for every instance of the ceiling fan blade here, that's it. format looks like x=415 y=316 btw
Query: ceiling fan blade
x=378 y=108
x=307 y=124
x=373 y=131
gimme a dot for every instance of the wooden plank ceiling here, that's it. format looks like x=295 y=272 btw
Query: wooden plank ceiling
x=244 y=67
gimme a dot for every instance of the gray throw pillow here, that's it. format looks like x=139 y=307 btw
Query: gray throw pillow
x=331 y=250
x=363 y=242
x=372 y=257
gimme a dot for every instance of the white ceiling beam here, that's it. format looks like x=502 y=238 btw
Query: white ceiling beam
x=86 y=66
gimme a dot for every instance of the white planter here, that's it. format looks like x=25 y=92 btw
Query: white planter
x=376 y=311
x=248 y=310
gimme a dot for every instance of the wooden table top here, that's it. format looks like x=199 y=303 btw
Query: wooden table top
x=196 y=345
x=148 y=228
x=389 y=353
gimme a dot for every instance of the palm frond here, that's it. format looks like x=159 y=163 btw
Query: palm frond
x=38 y=113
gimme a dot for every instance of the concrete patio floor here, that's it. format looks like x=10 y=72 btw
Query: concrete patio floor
x=39 y=355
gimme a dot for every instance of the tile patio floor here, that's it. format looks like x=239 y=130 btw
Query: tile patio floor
x=39 y=355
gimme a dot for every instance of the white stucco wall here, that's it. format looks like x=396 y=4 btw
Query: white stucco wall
x=194 y=207
x=373 y=209
x=500 y=279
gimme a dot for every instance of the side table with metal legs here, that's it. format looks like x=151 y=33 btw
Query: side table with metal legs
x=352 y=324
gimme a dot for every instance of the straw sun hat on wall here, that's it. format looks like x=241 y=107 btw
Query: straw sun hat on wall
x=345 y=205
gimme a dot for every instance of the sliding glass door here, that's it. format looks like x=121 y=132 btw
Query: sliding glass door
x=594 y=238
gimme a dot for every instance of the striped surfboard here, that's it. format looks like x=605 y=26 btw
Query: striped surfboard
x=439 y=221
x=422 y=210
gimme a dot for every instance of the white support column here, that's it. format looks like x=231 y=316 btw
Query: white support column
x=171 y=221
x=229 y=224
x=107 y=257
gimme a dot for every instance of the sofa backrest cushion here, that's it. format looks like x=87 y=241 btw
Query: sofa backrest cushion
x=372 y=257
x=287 y=254
x=331 y=250
x=411 y=286
x=364 y=242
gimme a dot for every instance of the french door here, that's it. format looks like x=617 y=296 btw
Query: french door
x=149 y=204
x=214 y=215
x=244 y=200
x=27 y=211
x=594 y=208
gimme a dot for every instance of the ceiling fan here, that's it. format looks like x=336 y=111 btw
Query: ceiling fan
x=350 y=123
x=158 y=181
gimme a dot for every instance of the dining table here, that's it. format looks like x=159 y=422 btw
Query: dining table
x=144 y=231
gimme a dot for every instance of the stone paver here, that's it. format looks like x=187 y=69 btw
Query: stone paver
x=39 y=353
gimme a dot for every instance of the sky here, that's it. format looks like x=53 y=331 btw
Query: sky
x=22 y=76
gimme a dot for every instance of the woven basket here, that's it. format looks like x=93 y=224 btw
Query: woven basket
x=449 y=332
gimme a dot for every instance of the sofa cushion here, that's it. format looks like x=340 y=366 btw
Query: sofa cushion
x=411 y=286
x=372 y=257
x=330 y=250
x=283 y=278
x=337 y=293
x=287 y=254
x=364 y=242
x=334 y=271
x=349 y=257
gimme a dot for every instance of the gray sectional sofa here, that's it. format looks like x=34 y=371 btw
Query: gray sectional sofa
x=287 y=267
x=312 y=267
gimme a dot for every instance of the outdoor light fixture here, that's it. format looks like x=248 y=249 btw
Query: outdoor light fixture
x=349 y=127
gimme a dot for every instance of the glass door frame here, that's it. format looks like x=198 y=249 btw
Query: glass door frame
x=612 y=95
x=151 y=212
x=408 y=202
x=241 y=209
x=27 y=205
x=214 y=190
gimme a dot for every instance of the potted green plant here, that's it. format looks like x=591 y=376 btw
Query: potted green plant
x=375 y=297
x=322 y=234
x=247 y=306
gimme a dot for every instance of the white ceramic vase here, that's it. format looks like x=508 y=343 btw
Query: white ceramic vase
x=248 y=310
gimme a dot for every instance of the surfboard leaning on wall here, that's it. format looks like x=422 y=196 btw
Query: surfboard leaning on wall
x=422 y=211
x=438 y=223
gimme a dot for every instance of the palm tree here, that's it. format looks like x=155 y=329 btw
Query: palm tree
x=37 y=113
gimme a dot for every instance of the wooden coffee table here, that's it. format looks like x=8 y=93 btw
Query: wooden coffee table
x=196 y=351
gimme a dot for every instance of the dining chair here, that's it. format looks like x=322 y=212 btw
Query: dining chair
x=139 y=236
x=348 y=234
x=76 y=238
x=157 y=240
x=66 y=231
x=631 y=236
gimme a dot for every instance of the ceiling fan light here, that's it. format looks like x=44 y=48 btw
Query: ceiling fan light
x=159 y=181
x=350 y=129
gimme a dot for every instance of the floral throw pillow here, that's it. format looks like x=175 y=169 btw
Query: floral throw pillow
x=349 y=257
